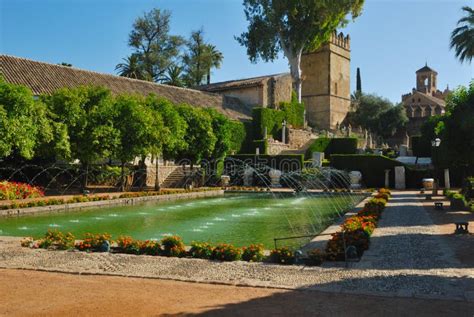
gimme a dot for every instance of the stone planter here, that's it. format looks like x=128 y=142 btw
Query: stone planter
x=355 y=178
x=275 y=176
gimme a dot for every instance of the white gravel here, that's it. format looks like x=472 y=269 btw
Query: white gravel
x=406 y=258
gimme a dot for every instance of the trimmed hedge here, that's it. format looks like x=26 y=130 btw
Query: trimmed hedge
x=289 y=162
x=272 y=119
x=332 y=146
x=262 y=145
x=371 y=166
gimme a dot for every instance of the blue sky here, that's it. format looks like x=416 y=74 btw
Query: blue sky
x=390 y=41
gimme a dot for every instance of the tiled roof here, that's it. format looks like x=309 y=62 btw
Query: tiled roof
x=45 y=78
x=425 y=69
x=247 y=82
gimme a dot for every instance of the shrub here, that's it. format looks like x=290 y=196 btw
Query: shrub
x=173 y=246
x=375 y=205
x=55 y=239
x=253 y=253
x=458 y=201
x=93 y=242
x=201 y=250
x=14 y=190
x=316 y=257
x=282 y=256
x=365 y=223
x=335 y=247
x=332 y=146
x=149 y=247
x=127 y=244
x=385 y=191
x=226 y=252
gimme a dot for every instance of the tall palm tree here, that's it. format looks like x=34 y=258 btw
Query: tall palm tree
x=216 y=58
x=173 y=76
x=131 y=67
x=462 y=38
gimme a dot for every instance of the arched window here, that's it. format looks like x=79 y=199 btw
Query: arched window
x=417 y=113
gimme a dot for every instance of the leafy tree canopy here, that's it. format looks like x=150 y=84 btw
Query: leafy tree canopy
x=378 y=115
x=155 y=48
x=293 y=27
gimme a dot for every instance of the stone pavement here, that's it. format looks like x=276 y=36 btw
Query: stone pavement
x=407 y=258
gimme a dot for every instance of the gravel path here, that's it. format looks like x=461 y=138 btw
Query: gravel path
x=406 y=259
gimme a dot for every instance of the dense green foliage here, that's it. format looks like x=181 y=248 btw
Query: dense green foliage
x=378 y=115
x=155 y=50
x=26 y=125
x=371 y=166
x=199 y=58
x=88 y=124
x=332 y=146
x=168 y=59
x=455 y=128
x=293 y=27
x=272 y=119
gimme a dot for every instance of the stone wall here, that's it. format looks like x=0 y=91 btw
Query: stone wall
x=275 y=148
x=299 y=138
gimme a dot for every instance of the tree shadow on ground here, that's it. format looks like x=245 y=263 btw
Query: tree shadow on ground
x=304 y=302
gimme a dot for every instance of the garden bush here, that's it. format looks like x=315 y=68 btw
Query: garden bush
x=458 y=202
x=55 y=239
x=201 y=250
x=173 y=246
x=126 y=244
x=93 y=242
x=253 y=253
x=315 y=257
x=282 y=256
x=149 y=247
x=226 y=252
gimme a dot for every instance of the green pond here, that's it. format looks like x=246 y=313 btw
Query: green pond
x=240 y=219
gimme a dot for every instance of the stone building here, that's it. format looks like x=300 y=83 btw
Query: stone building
x=425 y=100
x=326 y=85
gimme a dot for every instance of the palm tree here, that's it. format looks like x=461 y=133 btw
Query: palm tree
x=216 y=58
x=131 y=67
x=173 y=76
x=462 y=38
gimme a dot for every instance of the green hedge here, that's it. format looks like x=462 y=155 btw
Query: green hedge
x=332 y=146
x=373 y=169
x=238 y=135
x=262 y=145
x=272 y=119
x=371 y=166
x=288 y=162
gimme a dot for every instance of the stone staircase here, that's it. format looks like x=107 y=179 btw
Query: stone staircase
x=176 y=179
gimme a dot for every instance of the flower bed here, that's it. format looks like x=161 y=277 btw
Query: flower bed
x=170 y=246
x=14 y=190
x=356 y=230
x=88 y=198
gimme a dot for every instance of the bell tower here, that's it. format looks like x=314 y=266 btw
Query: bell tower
x=326 y=83
x=426 y=80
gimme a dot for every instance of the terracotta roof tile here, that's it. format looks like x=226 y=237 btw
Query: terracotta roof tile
x=45 y=78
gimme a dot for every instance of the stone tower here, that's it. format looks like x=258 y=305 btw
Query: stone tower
x=326 y=83
x=426 y=80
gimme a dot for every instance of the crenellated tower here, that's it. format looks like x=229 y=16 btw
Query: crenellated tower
x=326 y=82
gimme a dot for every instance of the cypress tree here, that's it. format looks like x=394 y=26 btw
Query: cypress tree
x=359 y=81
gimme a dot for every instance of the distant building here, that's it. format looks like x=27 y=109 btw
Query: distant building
x=325 y=91
x=425 y=100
